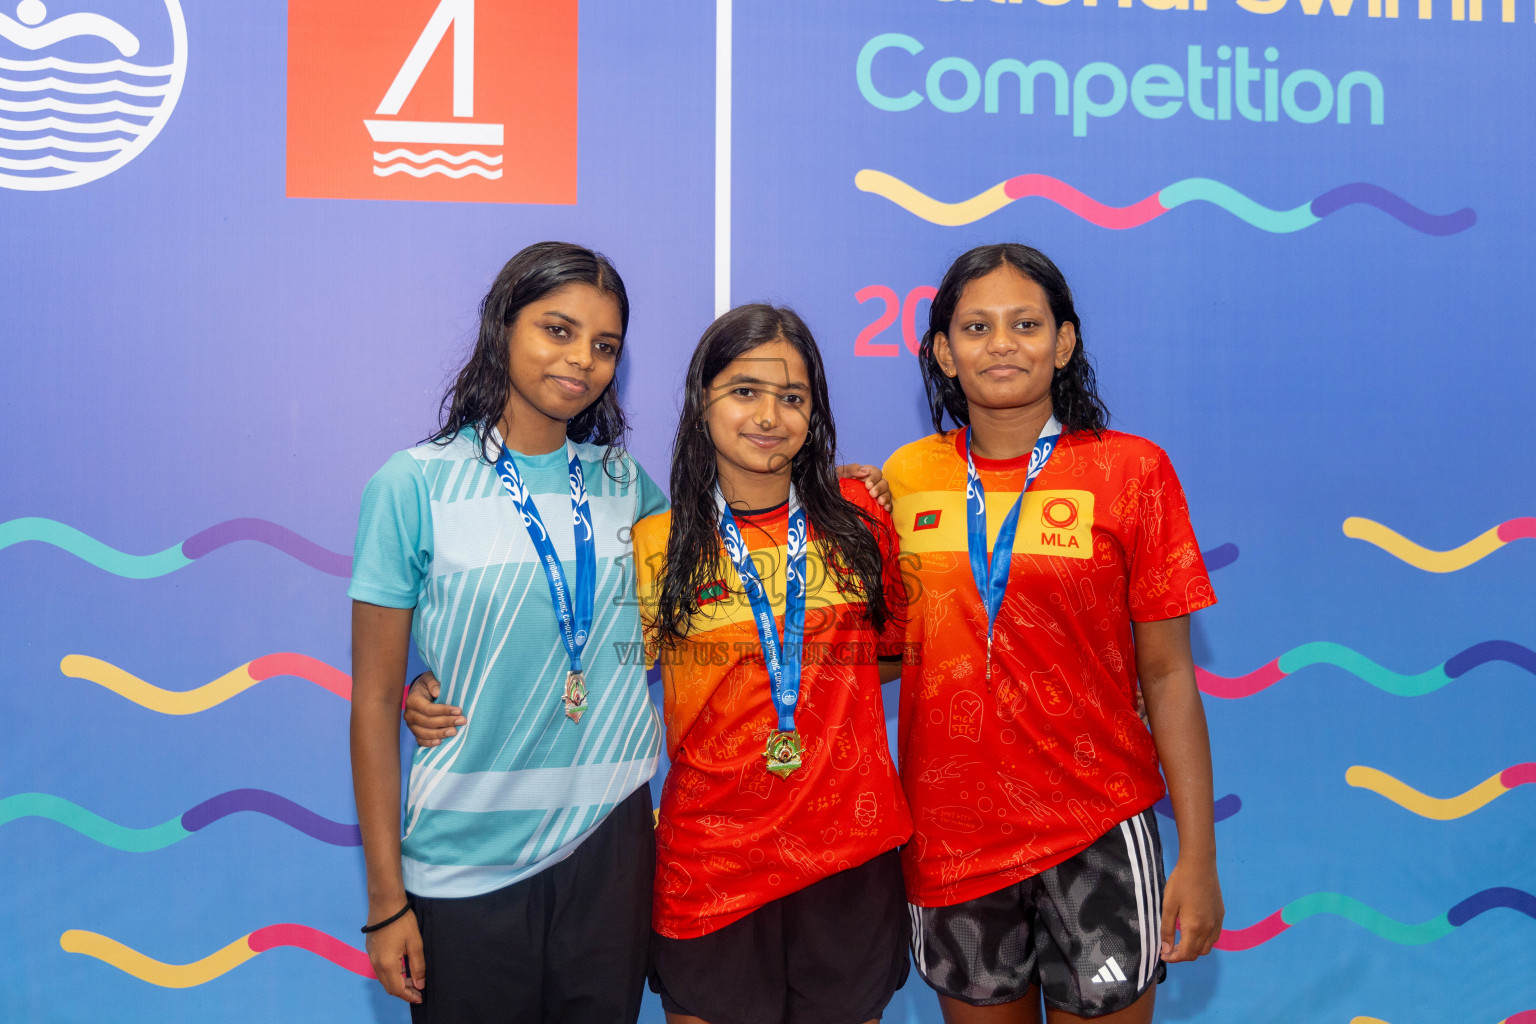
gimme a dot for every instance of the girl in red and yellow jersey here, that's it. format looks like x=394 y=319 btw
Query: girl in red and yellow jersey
x=767 y=593
x=1053 y=570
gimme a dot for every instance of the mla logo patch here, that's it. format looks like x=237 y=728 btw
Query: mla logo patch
x=1059 y=514
x=927 y=520
x=434 y=100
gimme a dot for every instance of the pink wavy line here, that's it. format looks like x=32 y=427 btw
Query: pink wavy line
x=1239 y=686
x=1523 y=528
x=304 y=937
x=1518 y=775
x=1237 y=940
x=1116 y=217
x=304 y=667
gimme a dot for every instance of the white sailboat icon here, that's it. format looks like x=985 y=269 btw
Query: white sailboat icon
x=460 y=16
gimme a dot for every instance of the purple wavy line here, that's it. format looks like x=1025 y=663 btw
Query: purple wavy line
x=1219 y=557
x=1393 y=205
x=272 y=535
x=1491 y=650
x=273 y=806
x=1491 y=899
x=1222 y=809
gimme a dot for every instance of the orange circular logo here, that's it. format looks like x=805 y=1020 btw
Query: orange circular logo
x=1059 y=513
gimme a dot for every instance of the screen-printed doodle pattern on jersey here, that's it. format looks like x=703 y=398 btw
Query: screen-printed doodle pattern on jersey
x=1008 y=780
x=731 y=836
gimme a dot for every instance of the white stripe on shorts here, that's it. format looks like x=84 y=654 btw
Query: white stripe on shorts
x=1132 y=846
x=916 y=913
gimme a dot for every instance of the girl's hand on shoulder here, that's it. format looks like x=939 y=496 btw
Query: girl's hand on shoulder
x=429 y=722
x=396 y=954
x=874 y=482
x=1191 y=905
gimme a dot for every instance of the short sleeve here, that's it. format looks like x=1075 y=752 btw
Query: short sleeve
x=393 y=553
x=1166 y=575
x=649 y=499
x=893 y=637
x=650 y=539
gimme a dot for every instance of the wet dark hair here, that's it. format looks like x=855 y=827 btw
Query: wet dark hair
x=478 y=395
x=845 y=531
x=1074 y=389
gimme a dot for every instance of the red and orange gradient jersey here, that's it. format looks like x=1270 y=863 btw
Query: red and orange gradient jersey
x=1010 y=778
x=730 y=836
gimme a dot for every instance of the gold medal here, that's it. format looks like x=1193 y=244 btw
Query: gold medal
x=784 y=752
x=575 y=696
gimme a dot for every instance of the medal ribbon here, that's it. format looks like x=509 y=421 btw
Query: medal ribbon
x=992 y=579
x=575 y=617
x=782 y=660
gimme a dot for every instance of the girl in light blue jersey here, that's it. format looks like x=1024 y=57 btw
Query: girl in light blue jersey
x=521 y=870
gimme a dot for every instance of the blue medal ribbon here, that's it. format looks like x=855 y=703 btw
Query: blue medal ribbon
x=991 y=572
x=781 y=659
x=574 y=615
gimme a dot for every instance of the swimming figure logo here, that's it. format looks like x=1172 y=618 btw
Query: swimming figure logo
x=73 y=106
x=419 y=99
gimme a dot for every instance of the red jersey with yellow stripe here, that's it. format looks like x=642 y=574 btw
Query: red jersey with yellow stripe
x=1010 y=778
x=730 y=836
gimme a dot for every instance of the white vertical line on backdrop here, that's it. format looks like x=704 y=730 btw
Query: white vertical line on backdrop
x=722 y=156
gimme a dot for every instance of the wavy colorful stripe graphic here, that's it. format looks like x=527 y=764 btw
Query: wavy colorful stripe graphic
x=1219 y=557
x=131 y=961
x=1190 y=190
x=1223 y=808
x=1441 y=808
x=1523 y=1017
x=1374 y=921
x=190 y=702
x=1430 y=560
x=158 y=837
x=1357 y=664
x=145 y=567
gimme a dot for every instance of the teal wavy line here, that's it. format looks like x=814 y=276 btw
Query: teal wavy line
x=92 y=826
x=1369 y=918
x=1324 y=653
x=1240 y=206
x=89 y=549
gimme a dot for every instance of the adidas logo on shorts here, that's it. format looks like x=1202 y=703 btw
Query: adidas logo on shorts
x=1109 y=973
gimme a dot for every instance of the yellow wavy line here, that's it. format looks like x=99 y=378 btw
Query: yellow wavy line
x=131 y=961
x=1439 y=809
x=1418 y=556
x=949 y=215
x=167 y=702
x=1366 y=1020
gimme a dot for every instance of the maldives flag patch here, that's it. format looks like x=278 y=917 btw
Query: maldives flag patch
x=709 y=593
x=926 y=520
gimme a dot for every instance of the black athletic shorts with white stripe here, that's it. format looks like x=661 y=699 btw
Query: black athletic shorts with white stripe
x=1087 y=931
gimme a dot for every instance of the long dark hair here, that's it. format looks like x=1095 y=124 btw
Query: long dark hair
x=844 y=530
x=478 y=395
x=1074 y=389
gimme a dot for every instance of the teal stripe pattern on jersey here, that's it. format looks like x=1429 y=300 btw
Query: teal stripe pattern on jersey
x=521 y=785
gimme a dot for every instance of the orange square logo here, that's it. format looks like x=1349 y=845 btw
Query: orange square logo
x=434 y=100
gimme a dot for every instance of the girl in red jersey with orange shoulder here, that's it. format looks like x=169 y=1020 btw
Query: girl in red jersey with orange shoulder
x=1054 y=570
x=768 y=592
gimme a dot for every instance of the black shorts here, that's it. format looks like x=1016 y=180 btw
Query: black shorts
x=1087 y=931
x=569 y=944
x=833 y=953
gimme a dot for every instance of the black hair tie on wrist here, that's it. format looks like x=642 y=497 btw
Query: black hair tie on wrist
x=391 y=919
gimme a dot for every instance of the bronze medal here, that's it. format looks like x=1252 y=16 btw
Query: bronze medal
x=575 y=696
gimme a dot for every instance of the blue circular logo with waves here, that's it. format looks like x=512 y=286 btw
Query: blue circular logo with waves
x=84 y=90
